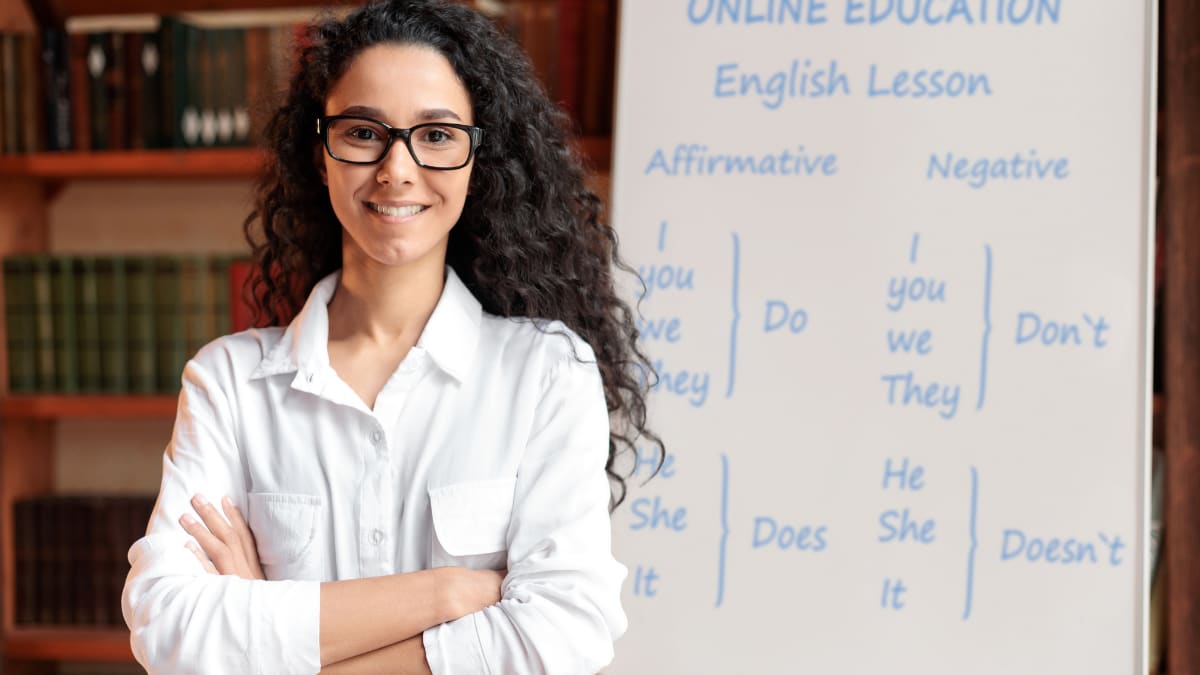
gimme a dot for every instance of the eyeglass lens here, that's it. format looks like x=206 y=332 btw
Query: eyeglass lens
x=434 y=145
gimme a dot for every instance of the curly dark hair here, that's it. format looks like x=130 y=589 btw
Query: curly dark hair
x=530 y=241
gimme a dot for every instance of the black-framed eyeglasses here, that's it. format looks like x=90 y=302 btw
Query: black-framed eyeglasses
x=434 y=145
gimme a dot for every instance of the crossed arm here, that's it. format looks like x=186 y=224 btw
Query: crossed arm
x=359 y=619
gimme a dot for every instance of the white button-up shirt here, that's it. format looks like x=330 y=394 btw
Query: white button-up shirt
x=486 y=449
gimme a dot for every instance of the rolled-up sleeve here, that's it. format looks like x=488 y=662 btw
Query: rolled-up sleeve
x=181 y=619
x=560 y=609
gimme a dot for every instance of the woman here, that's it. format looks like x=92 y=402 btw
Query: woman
x=424 y=455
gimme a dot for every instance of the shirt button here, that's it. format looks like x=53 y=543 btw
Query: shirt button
x=376 y=436
x=376 y=537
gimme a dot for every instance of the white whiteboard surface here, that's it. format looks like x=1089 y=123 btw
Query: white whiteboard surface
x=906 y=403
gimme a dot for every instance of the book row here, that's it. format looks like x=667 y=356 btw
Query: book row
x=71 y=556
x=179 y=86
x=182 y=85
x=116 y=324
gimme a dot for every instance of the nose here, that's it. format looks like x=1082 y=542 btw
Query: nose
x=398 y=165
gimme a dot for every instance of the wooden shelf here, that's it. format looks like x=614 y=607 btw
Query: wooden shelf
x=209 y=163
x=65 y=8
x=97 y=406
x=214 y=163
x=68 y=644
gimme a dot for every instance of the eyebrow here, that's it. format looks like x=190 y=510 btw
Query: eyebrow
x=427 y=115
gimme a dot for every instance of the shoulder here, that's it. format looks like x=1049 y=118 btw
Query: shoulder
x=542 y=342
x=235 y=358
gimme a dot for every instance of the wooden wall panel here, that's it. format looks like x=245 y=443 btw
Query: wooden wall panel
x=1180 y=166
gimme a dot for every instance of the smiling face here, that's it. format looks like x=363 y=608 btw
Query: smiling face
x=396 y=213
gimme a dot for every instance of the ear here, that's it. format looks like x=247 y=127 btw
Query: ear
x=319 y=161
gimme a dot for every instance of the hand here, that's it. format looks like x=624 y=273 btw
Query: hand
x=467 y=591
x=225 y=546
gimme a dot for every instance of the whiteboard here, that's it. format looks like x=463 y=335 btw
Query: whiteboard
x=897 y=256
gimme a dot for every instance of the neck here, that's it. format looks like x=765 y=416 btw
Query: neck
x=384 y=304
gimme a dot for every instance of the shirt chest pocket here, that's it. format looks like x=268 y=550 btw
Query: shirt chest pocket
x=287 y=532
x=470 y=523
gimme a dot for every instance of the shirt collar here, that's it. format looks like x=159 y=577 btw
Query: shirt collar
x=450 y=336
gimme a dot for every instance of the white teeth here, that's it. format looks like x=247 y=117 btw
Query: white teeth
x=401 y=211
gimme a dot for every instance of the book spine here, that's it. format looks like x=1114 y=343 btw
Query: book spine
x=169 y=320
x=221 y=294
x=43 y=303
x=88 y=319
x=31 y=130
x=222 y=83
x=134 y=99
x=187 y=82
x=98 y=56
x=205 y=62
x=46 y=557
x=19 y=322
x=8 y=93
x=66 y=345
x=72 y=575
x=56 y=90
x=25 y=527
x=149 y=64
x=195 y=289
x=80 y=83
x=117 y=91
x=257 y=77
x=112 y=298
x=236 y=89
x=169 y=102
x=241 y=309
x=140 y=284
x=104 y=543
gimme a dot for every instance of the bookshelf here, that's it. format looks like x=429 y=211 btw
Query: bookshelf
x=32 y=189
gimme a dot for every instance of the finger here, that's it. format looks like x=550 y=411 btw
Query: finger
x=214 y=548
x=239 y=525
x=204 y=561
x=215 y=522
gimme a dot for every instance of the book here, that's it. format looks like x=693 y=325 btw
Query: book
x=88 y=324
x=9 y=106
x=133 y=121
x=241 y=310
x=195 y=290
x=46 y=559
x=28 y=93
x=80 y=85
x=149 y=71
x=98 y=56
x=112 y=304
x=205 y=53
x=65 y=309
x=168 y=324
x=43 y=314
x=20 y=324
x=56 y=90
x=116 y=90
x=25 y=525
x=257 y=81
x=139 y=276
x=222 y=294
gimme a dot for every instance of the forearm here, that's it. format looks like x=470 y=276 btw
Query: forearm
x=364 y=616
x=401 y=658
